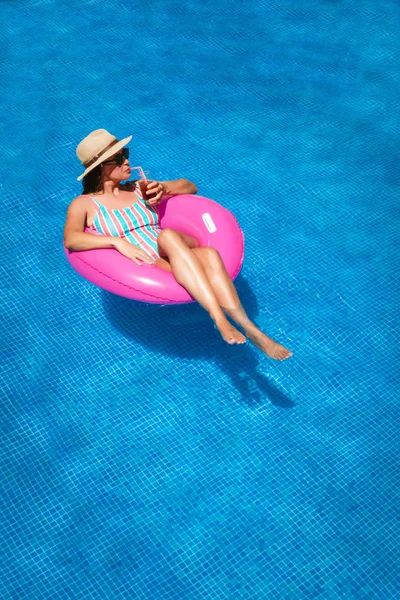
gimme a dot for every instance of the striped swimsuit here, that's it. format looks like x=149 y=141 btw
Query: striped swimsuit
x=137 y=223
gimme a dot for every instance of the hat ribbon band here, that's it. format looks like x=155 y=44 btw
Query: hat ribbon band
x=97 y=156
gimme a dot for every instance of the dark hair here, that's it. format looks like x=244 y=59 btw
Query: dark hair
x=92 y=183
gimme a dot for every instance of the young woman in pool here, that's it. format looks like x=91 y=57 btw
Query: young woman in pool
x=129 y=223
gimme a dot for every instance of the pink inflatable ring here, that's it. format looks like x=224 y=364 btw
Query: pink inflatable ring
x=203 y=219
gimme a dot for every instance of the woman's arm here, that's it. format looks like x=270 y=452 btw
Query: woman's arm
x=179 y=186
x=75 y=237
x=162 y=189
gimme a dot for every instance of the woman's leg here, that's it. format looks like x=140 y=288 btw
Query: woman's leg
x=189 y=272
x=225 y=291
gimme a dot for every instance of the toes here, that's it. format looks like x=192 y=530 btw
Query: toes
x=282 y=354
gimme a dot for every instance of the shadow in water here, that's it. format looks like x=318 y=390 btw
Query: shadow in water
x=185 y=331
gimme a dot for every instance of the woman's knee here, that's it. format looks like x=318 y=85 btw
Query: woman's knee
x=210 y=255
x=167 y=236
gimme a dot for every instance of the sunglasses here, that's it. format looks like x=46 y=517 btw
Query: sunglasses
x=119 y=159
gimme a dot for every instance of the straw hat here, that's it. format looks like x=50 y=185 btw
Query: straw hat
x=98 y=146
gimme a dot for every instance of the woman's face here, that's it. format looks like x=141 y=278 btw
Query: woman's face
x=117 y=167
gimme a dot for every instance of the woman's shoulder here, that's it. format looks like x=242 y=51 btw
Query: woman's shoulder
x=82 y=201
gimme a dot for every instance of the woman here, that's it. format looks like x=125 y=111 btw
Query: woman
x=129 y=223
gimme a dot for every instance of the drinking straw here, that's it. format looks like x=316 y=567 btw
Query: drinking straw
x=141 y=173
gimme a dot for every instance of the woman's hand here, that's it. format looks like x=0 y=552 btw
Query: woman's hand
x=156 y=188
x=133 y=252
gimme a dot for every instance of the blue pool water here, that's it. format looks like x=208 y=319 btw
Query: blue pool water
x=141 y=458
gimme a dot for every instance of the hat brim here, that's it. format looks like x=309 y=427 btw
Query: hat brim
x=118 y=146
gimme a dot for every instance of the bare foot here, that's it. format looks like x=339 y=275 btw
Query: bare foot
x=230 y=334
x=269 y=346
x=262 y=341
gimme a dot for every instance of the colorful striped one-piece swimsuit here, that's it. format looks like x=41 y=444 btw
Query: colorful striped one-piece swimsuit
x=137 y=223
